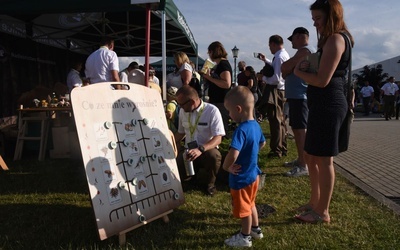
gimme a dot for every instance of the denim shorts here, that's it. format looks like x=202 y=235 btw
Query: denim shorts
x=298 y=113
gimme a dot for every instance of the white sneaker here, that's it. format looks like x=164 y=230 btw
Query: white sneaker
x=238 y=240
x=297 y=171
x=256 y=234
x=291 y=164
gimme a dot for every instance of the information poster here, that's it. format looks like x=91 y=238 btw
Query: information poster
x=128 y=155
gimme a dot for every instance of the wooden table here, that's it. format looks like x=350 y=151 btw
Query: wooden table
x=38 y=115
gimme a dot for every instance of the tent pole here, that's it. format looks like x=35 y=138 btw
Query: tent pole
x=147 y=47
x=164 y=56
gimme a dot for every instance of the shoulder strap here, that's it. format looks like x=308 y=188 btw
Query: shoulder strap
x=349 y=85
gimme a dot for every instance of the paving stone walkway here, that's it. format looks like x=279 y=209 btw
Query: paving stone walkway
x=373 y=159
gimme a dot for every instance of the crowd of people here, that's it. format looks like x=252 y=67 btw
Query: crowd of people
x=103 y=66
x=317 y=104
x=388 y=97
x=287 y=88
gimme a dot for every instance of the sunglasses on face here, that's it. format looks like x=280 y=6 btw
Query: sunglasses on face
x=183 y=104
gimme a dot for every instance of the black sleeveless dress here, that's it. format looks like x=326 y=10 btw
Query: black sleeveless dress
x=327 y=110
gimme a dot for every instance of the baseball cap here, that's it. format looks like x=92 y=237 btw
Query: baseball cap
x=172 y=91
x=298 y=30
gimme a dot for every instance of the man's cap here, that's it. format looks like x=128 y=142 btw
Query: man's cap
x=298 y=30
x=172 y=91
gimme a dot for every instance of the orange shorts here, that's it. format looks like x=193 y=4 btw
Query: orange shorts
x=244 y=199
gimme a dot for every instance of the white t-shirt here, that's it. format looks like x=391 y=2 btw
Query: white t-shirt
x=123 y=75
x=209 y=124
x=73 y=79
x=185 y=66
x=367 y=91
x=176 y=79
x=389 y=88
x=99 y=65
x=136 y=76
x=156 y=80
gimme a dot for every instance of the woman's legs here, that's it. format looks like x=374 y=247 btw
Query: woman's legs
x=322 y=179
x=326 y=177
x=313 y=173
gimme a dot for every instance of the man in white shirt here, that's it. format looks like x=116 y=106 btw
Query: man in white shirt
x=74 y=78
x=201 y=125
x=389 y=91
x=102 y=65
x=124 y=74
x=367 y=94
x=136 y=75
x=272 y=101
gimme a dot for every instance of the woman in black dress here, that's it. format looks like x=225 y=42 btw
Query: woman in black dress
x=327 y=106
x=219 y=79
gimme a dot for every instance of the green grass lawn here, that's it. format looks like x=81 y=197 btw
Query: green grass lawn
x=46 y=205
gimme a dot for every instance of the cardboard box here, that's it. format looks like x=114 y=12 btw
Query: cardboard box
x=61 y=147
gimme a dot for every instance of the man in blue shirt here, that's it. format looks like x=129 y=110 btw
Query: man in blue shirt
x=295 y=93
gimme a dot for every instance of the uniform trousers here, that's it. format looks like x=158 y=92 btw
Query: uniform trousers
x=210 y=160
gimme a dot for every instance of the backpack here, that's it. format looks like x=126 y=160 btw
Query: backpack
x=176 y=117
x=195 y=83
x=267 y=70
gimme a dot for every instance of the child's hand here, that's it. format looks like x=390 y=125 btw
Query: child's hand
x=234 y=169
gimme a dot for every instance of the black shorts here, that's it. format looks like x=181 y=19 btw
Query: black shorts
x=298 y=113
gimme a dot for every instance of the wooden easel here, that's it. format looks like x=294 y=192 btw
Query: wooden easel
x=122 y=235
x=3 y=164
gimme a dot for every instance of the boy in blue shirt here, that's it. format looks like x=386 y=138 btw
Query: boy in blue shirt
x=241 y=163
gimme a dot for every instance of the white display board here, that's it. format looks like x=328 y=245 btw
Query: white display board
x=128 y=155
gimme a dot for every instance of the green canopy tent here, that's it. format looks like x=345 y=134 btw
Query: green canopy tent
x=78 y=25
x=47 y=30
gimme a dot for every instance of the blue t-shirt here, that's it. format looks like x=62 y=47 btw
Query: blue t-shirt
x=246 y=139
x=295 y=87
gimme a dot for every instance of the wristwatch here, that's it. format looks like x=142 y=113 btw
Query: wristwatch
x=202 y=149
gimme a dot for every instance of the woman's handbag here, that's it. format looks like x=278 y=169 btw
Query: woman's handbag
x=344 y=132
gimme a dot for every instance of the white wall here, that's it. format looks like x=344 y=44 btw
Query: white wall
x=390 y=66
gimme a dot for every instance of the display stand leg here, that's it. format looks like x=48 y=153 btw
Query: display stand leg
x=122 y=235
x=122 y=239
x=165 y=218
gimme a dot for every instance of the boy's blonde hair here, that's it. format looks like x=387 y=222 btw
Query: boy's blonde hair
x=241 y=96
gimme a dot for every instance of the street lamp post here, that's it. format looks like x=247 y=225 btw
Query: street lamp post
x=235 y=52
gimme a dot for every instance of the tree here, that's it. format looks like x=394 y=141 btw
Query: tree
x=374 y=75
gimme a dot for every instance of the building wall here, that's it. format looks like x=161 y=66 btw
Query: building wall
x=390 y=66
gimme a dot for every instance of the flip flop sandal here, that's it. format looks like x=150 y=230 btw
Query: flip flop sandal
x=311 y=217
x=304 y=208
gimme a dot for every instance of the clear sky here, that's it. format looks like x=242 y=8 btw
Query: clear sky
x=249 y=24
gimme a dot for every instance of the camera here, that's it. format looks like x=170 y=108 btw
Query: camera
x=257 y=55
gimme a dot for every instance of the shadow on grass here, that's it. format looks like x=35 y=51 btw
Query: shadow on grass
x=51 y=176
x=187 y=230
x=30 y=226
